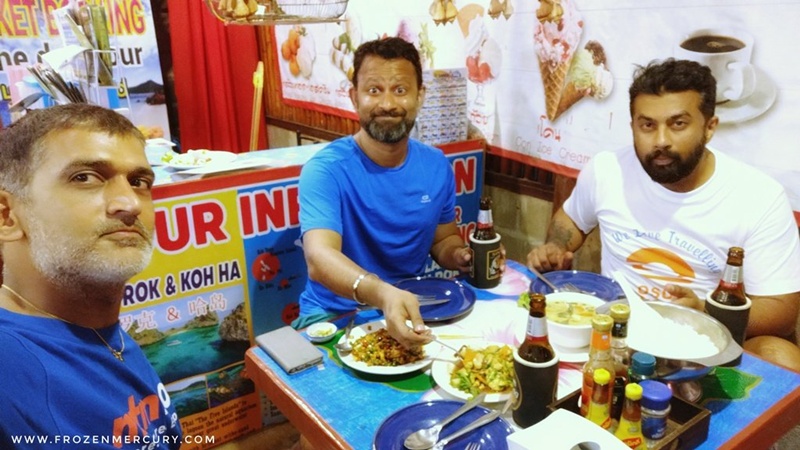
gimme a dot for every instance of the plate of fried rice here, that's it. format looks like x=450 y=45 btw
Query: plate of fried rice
x=377 y=353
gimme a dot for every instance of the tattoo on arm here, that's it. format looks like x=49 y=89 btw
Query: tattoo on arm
x=560 y=236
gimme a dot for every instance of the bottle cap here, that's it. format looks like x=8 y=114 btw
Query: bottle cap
x=643 y=363
x=620 y=312
x=601 y=376
x=655 y=395
x=602 y=322
x=633 y=391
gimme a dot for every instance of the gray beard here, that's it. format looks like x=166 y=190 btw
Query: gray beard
x=388 y=134
x=72 y=264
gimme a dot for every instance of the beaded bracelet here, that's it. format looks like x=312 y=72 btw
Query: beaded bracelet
x=358 y=282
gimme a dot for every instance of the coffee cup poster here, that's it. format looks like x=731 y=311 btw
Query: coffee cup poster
x=548 y=80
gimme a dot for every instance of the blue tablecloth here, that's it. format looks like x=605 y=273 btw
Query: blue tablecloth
x=355 y=405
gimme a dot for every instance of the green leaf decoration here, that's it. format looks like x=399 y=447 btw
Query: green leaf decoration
x=727 y=383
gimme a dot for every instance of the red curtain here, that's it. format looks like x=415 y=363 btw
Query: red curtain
x=213 y=66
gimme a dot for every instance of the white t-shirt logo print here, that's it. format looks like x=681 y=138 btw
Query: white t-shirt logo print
x=425 y=199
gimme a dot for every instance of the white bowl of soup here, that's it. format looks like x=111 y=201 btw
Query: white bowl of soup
x=569 y=318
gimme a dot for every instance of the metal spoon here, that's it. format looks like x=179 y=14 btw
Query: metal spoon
x=427 y=437
x=544 y=279
x=477 y=423
x=344 y=345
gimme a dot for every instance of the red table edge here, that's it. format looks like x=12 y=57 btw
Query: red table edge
x=313 y=427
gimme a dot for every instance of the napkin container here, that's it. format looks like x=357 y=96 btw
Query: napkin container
x=563 y=430
x=687 y=424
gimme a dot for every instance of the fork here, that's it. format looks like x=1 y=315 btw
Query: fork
x=569 y=287
x=427 y=300
x=473 y=446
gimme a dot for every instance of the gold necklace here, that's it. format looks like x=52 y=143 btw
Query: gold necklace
x=117 y=353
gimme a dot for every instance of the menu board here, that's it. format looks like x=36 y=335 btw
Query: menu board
x=552 y=92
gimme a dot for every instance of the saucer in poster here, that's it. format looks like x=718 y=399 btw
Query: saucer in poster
x=751 y=107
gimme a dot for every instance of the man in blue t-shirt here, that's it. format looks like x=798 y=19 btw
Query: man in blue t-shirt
x=374 y=205
x=76 y=223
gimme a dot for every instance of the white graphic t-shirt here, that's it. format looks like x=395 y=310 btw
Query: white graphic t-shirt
x=656 y=237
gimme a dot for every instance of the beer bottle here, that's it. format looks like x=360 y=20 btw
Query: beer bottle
x=599 y=358
x=485 y=229
x=536 y=347
x=728 y=303
x=620 y=353
x=630 y=425
x=730 y=290
x=599 y=410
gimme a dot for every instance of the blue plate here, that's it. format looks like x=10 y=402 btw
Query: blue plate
x=594 y=284
x=394 y=430
x=462 y=298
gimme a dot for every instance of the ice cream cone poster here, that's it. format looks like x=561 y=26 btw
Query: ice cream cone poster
x=569 y=72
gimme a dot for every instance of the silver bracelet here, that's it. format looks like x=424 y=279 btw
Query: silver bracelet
x=358 y=282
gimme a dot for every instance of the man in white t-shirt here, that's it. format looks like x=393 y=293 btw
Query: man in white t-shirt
x=670 y=208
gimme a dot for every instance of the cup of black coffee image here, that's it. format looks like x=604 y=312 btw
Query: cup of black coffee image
x=728 y=53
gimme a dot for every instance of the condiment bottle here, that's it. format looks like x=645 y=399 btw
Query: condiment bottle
x=485 y=228
x=656 y=397
x=536 y=347
x=599 y=410
x=620 y=353
x=643 y=367
x=728 y=303
x=599 y=358
x=730 y=290
x=629 y=430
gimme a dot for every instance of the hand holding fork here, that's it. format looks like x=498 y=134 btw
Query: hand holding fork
x=566 y=287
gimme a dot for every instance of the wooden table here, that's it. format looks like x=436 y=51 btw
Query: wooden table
x=337 y=408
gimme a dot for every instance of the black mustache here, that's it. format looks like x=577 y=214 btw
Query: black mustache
x=389 y=114
x=663 y=152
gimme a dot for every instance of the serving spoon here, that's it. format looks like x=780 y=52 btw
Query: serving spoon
x=427 y=437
